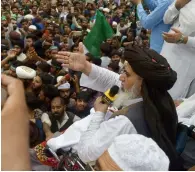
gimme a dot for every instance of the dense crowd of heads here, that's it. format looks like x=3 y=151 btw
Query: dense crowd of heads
x=32 y=32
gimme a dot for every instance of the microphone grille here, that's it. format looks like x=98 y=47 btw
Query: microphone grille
x=114 y=90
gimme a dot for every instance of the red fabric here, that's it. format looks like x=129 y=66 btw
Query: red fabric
x=50 y=161
x=39 y=149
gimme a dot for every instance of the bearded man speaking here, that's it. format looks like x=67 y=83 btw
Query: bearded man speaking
x=146 y=78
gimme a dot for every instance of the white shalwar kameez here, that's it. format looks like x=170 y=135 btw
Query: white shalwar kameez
x=181 y=57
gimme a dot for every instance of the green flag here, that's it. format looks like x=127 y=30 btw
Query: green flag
x=99 y=33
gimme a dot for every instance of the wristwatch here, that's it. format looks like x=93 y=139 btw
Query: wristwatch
x=181 y=40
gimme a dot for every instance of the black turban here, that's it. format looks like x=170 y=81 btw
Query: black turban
x=159 y=109
x=151 y=66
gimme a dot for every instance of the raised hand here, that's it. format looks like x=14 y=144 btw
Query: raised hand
x=81 y=48
x=11 y=54
x=173 y=37
x=99 y=106
x=74 y=61
x=32 y=53
x=75 y=79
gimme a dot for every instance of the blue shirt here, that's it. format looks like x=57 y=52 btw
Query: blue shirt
x=154 y=21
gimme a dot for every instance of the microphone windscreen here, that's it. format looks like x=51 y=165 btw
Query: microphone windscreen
x=113 y=91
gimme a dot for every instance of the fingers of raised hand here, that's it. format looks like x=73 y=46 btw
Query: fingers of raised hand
x=12 y=83
x=64 y=53
x=168 y=37
x=175 y=30
x=64 y=57
x=168 y=34
x=98 y=100
x=63 y=61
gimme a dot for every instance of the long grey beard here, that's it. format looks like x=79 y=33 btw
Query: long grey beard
x=125 y=98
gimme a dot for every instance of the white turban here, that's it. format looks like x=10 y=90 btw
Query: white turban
x=106 y=10
x=134 y=152
x=32 y=27
x=24 y=72
x=64 y=86
x=59 y=78
x=29 y=17
x=114 y=23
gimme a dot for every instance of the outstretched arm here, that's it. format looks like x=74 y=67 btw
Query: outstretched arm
x=100 y=79
x=93 y=77
x=155 y=17
x=151 y=4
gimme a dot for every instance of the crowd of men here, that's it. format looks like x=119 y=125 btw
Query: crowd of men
x=150 y=57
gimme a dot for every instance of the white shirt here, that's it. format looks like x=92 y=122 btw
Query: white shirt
x=22 y=57
x=64 y=15
x=91 y=136
x=100 y=79
x=100 y=134
x=119 y=28
x=105 y=61
x=186 y=111
x=49 y=62
x=181 y=57
x=191 y=42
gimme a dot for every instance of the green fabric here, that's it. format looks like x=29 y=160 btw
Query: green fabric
x=99 y=33
x=3 y=18
x=14 y=16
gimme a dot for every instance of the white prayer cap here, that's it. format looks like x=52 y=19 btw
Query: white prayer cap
x=64 y=86
x=134 y=152
x=106 y=10
x=24 y=72
x=59 y=78
x=133 y=13
x=32 y=27
x=101 y=8
x=89 y=1
x=114 y=23
x=29 y=17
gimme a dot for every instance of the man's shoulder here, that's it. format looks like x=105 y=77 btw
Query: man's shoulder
x=105 y=58
x=72 y=116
